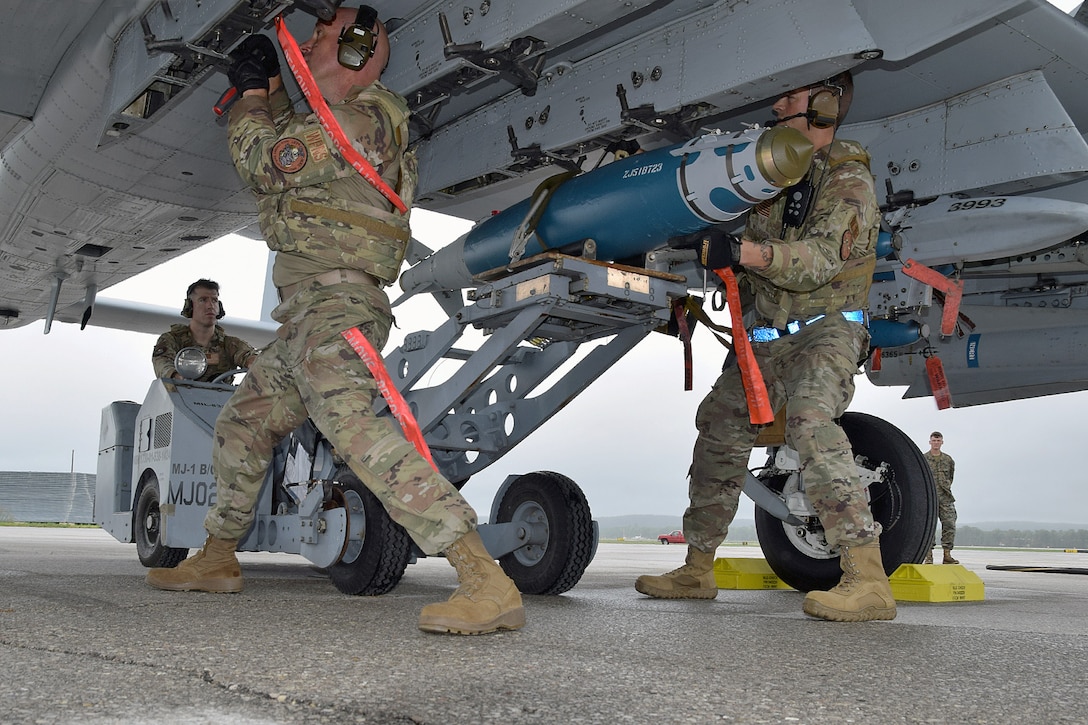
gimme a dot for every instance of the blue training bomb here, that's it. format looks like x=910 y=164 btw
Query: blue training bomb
x=631 y=206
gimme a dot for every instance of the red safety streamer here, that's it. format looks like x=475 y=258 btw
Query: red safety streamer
x=324 y=114
x=952 y=289
x=938 y=383
x=398 y=406
x=755 y=390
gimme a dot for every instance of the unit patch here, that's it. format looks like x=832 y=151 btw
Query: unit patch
x=289 y=155
x=848 y=238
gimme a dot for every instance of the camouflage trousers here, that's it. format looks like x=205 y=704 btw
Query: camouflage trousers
x=946 y=512
x=812 y=374
x=310 y=370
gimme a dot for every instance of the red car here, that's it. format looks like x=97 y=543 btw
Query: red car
x=673 y=537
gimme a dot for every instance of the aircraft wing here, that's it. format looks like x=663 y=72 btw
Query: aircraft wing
x=111 y=161
x=156 y=319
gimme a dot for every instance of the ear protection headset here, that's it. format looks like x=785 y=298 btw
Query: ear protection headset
x=357 y=41
x=187 y=308
x=823 y=105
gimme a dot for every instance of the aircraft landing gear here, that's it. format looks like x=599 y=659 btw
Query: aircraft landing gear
x=902 y=496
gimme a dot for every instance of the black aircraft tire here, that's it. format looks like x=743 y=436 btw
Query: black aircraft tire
x=147 y=530
x=554 y=502
x=386 y=547
x=905 y=504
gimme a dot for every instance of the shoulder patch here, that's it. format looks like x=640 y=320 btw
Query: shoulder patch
x=763 y=208
x=848 y=238
x=289 y=155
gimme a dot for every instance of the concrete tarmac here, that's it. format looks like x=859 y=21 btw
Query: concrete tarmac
x=84 y=640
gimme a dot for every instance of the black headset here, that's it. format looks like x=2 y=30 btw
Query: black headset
x=187 y=308
x=357 y=41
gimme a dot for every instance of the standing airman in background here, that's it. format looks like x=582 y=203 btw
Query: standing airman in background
x=944 y=469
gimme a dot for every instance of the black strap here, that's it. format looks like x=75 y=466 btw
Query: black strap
x=678 y=308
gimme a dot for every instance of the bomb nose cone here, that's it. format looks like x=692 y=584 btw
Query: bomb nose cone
x=783 y=155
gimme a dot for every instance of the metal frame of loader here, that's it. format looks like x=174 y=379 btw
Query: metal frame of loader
x=534 y=317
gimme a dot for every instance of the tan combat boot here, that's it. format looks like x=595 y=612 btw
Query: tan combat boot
x=486 y=600
x=694 y=580
x=948 y=556
x=863 y=593
x=929 y=557
x=214 y=568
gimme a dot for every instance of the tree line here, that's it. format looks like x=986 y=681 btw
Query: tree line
x=1037 y=539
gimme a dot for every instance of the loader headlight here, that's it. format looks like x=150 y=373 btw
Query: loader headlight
x=191 y=362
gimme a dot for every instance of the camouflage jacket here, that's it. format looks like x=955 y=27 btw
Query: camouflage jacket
x=314 y=207
x=224 y=352
x=944 y=470
x=826 y=264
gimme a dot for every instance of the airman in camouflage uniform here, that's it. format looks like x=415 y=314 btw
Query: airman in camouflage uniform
x=944 y=470
x=338 y=243
x=802 y=280
x=223 y=352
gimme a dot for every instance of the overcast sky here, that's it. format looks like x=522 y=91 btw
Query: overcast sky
x=626 y=440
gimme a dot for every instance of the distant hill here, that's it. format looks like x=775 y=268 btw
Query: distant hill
x=1023 y=526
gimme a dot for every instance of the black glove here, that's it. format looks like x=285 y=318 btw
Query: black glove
x=247 y=74
x=714 y=249
x=260 y=47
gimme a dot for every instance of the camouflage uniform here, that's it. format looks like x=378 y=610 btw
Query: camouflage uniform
x=824 y=267
x=224 y=352
x=338 y=241
x=944 y=469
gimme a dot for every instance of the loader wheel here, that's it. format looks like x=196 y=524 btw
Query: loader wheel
x=562 y=538
x=147 y=531
x=375 y=564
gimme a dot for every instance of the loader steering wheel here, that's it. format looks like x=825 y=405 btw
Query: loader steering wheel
x=228 y=376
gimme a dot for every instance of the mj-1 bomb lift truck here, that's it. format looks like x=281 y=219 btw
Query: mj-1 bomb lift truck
x=155 y=481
